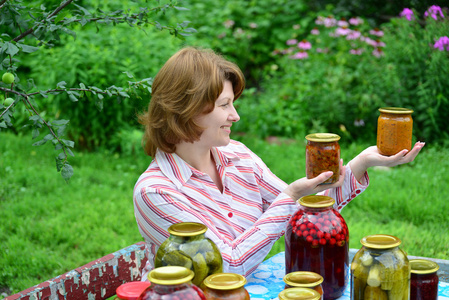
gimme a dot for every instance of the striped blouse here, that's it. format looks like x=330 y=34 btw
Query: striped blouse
x=244 y=221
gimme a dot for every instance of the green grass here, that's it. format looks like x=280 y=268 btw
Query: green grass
x=49 y=227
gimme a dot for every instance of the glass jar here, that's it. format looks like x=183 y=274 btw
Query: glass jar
x=423 y=279
x=305 y=279
x=131 y=290
x=228 y=286
x=188 y=247
x=380 y=269
x=316 y=240
x=299 y=294
x=323 y=154
x=394 y=130
x=171 y=283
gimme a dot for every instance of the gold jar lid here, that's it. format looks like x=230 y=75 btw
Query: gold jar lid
x=224 y=281
x=323 y=137
x=380 y=241
x=396 y=110
x=423 y=266
x=303 y=279
x=187 y=229
x=299 y=294
x=170 y=275
x=316 y=201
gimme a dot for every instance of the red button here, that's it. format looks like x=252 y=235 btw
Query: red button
x=230 y=215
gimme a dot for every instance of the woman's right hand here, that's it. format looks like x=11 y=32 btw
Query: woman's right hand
x=304 y=187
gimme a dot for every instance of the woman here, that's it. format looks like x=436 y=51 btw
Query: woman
x=198 y=174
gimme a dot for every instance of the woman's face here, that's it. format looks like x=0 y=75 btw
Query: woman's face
x=218 y=122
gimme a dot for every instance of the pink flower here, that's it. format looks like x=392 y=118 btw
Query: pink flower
x=342 y=31
x=407 y=13
x=292 y=42
x=305 y=45
x=300 y=55
x=342 y=23
x=319 y=20
x=378 y=52
x=378 y=43
x=376 y=32
x=253 y=25
x=441 y=43
x=356 y=51
x=330 y=22
x=228 y=23
x=315 y=31
x=433 y=11
x=368 y=41
x=355 y=21
x=353 y=35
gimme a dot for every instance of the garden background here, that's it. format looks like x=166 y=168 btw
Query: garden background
x=311 y=66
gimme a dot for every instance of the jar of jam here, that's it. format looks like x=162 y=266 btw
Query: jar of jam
x=323 y=154
x=131 y=290
x=171 y=283
x=380 y=269
x=228 y=286
x=299 y=294
x=305 y=279
x=188 y=247
x=394 y=130
x=423 y=279
x=316 y=240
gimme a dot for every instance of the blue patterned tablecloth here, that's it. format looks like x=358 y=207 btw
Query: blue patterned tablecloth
x=266 y=282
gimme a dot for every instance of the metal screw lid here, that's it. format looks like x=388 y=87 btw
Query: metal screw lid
x=299 y=294
x=423 y=266
x=303 y=279
x=323 y=137
x=187 y=229
x=396 y=110
x=316 y=201
x=224 y=281
x=170 y=275
x=380 y=241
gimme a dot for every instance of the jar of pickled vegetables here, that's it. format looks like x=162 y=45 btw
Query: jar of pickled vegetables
x=131 y=290
x=423 y=279
x=394 y=130
x=188 y=247
x=299 y=294
x=171 y=283
x=227 y=286
x=316 y=240
x=380 y=269
x=323 y=154
x=305 y=279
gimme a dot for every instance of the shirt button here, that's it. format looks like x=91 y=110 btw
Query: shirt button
x=230 y=215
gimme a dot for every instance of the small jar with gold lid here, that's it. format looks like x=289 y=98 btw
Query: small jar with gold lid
x=394 y=130
x=227 y=286
x=380 y=269
x=305 y=279
x=188 y=247
x=424 y=279
x=170 y=283
x=299 y=294
x=323 y=154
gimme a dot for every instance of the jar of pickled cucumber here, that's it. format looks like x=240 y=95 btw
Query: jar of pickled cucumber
x=316 y=240
x=131 y=290
x=423 y=279
x=394 y=130
x=305 y=279
x=380 y=269
x=228 y=286
x=323 y=154
x=171 y=283
x=299 y=294
x=188 y=247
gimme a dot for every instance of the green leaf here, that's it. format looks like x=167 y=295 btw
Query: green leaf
x=9 y=48
x=61 y=85
x=35 y=133
x=61 y=15
x=128 y=74
x=27 y=48
x=180 y=8
x=73 y=98
x=68 y=143
x=67 y=172
x=39 y=143
x=60 y=122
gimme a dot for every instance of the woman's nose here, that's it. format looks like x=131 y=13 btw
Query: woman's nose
x=234 y=116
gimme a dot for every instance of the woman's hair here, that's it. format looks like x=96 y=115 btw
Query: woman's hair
x=186 y=86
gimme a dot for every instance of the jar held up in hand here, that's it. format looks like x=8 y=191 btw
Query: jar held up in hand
x=394 y=130
x=323 y=154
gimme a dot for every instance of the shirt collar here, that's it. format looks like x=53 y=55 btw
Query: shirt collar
x=179 y=172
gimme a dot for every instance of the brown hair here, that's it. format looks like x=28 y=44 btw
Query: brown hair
x=186 y=86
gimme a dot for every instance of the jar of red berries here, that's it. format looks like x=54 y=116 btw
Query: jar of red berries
x=316 y=240
x=172 y=283
x=423 y=279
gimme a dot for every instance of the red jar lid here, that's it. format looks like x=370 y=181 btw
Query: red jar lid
x=132 y=290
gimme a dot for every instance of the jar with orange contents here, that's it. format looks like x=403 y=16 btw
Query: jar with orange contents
x=228 y=286
x=305 y=279
x=323 y=154
x=394 y=130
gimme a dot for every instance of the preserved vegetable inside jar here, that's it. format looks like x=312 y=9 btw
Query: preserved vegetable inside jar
x=299 y=294
x=305 y=279
x=228 y=286
x=380 y=269
x=316 y=240
x=188 y=247
x=423 y=279
x=171 y=283
x=323 y=154
x=394 y=130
